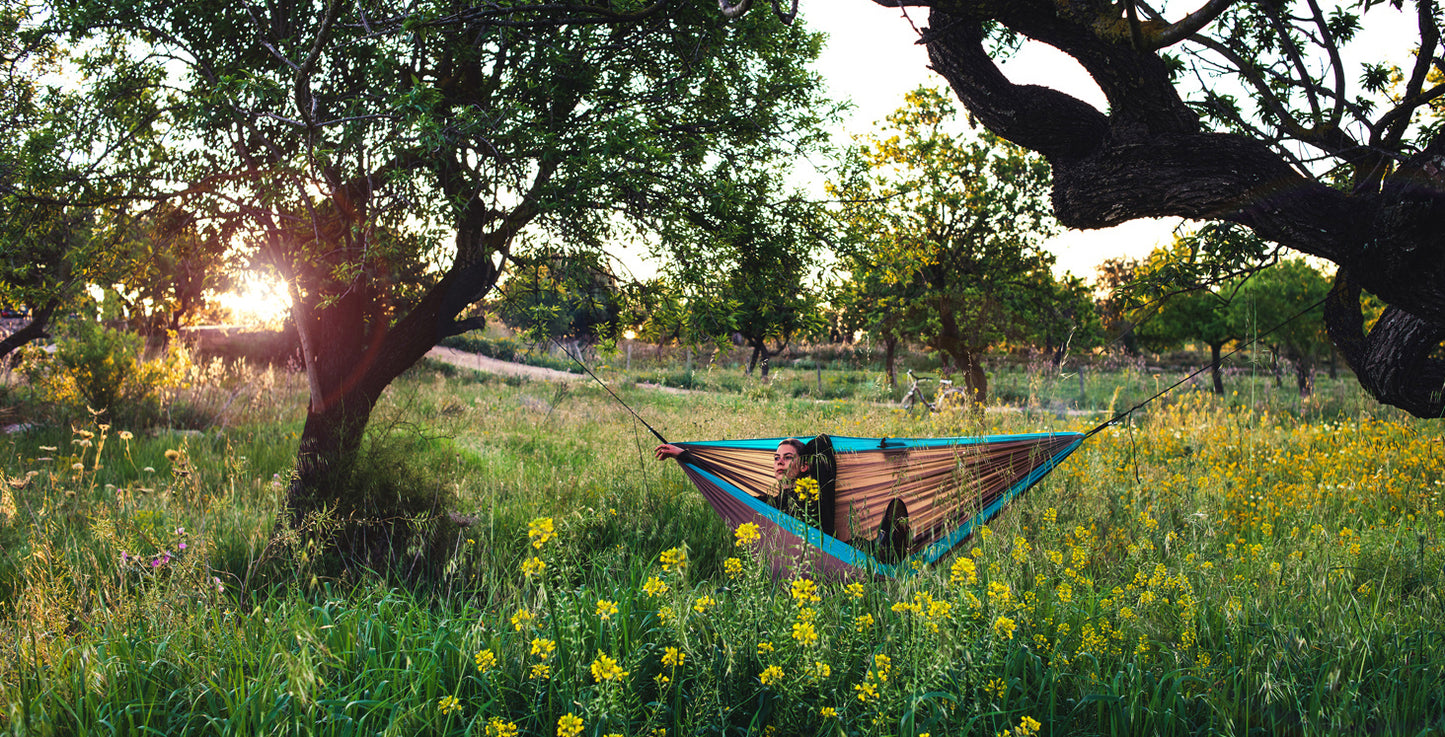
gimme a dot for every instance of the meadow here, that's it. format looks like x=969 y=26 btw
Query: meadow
x=1254 y=563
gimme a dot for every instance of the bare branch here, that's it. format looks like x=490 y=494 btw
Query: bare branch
x=1186 y=26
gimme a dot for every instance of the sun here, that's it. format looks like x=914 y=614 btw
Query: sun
x=257 y=301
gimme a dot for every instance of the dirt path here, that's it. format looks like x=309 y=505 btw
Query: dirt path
x=478 y=362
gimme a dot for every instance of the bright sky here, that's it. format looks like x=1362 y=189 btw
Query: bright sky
x=872 y=58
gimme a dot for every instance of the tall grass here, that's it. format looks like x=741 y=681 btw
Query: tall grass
x=1215 y=565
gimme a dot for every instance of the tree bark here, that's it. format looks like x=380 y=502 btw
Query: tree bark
x=37 y=328
x=890 y=351
x=1150 y=157
x=1215 y=372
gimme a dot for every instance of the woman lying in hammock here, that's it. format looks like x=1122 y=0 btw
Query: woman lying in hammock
x=791 y=461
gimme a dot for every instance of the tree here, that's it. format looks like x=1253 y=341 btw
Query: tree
x=1286 y=299
x=873 y=302
x=746 y=267
x=1241 y=112
x=354 y=142
x=954 y=230
x=1203 y=314
x=1115 y=279
x=176 y=264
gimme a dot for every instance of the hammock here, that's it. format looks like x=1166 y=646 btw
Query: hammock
x=885 y=506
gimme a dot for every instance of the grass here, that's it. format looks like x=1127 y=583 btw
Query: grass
x=1217 y=565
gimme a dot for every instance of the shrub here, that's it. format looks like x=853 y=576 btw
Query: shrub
x=97 y=368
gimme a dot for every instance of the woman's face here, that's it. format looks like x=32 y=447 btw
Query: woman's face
x=787 y=464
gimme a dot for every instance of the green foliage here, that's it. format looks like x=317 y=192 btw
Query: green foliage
x=560 y=296
x=946 y=239
x=100 y=369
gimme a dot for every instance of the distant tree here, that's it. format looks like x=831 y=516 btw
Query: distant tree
x=1184 y=291
x=746 y=264
x=871 y=303
x=953 y=227
x=1114 y=281
x=1064 y=318
x=1204 y=315
x=1286 y=299
x=178 y=262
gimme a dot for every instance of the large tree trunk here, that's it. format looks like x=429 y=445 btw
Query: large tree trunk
x=1149 y=157
x=352 y=351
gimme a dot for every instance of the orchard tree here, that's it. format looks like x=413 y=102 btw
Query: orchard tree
x=1204 y=315
x=1187 y=291
x=749 y=262
x=1261 y=114
x=1286 y=300
x=385 y=158
x=873 y=301
x=177 y=263
x=953 y=228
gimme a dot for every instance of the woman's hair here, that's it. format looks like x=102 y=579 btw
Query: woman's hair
x=796 y=444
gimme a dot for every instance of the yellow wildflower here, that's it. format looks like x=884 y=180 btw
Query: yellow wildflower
x=672 y=657
x=805 y=633
x=499 y=727
x=805 y=590
x=674 y=559
x=770 y=675
x=733 y=567
x=765 y=647
x=486 y=660
x=569 y=725
x=448 y=705
x=605 y=668
x=867 y=691
x=539 y=531
x=863 y=622
x=1004 y=627
x=521 y=619
x=998 y=687
x=605 y=608
x=703 y=603
x=807 y=489
x=964 y=571
x=543 y=648
x=854 y=590
x=654 y=586
x=533 y=566
x=828 y=712
x=746 y=534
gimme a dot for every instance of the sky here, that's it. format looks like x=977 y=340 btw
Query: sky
x=873 y=59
